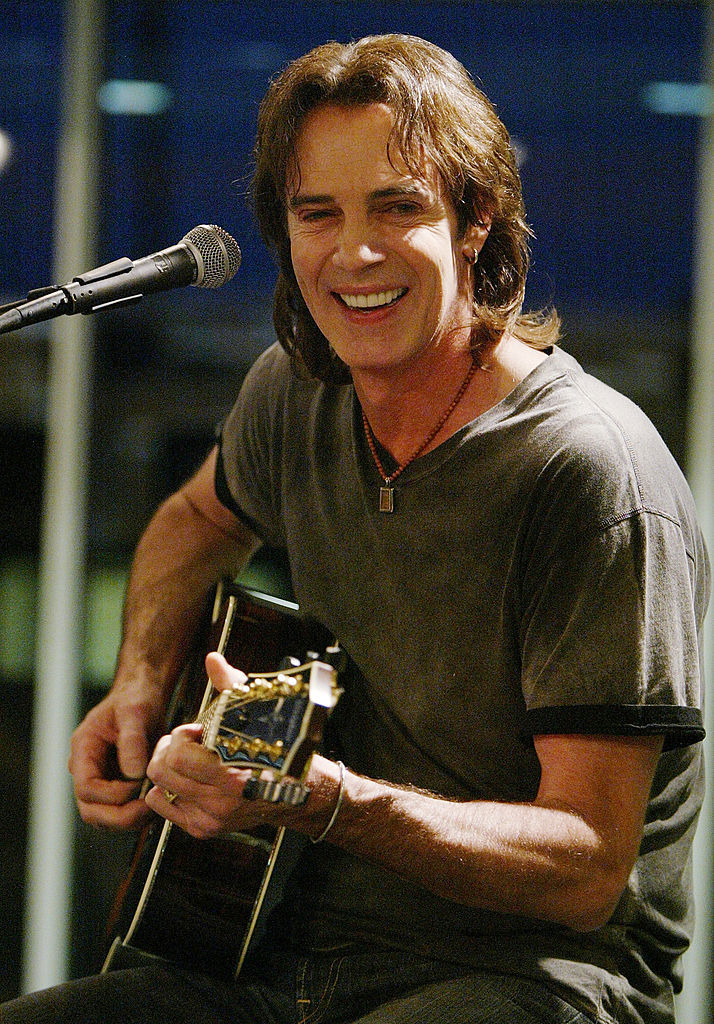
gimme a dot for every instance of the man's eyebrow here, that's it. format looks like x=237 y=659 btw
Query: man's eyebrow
x=295 y=202
x=397 y=191
x=390 y=192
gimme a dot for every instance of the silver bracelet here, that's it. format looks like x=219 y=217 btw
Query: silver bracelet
x=336 y=811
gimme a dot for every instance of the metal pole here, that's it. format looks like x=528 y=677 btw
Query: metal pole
x=58 y=660
x=696 y=1003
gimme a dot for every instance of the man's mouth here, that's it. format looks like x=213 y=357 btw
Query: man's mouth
x=374 y=300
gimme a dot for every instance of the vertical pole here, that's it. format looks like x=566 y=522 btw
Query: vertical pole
x=60 y=614
x=696 y=1004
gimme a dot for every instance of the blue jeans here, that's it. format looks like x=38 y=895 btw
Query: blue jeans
x=349 y=987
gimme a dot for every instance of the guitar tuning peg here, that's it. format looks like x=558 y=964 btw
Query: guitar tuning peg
x=336 y=656
x=288 y=662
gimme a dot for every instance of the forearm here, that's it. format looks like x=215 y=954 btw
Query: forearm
x=179 y=558
x=523 y=859
x=565 y=857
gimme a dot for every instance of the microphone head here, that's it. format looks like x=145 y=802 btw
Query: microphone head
x=217 y=255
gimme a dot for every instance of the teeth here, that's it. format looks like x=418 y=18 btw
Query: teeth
x=374 y=300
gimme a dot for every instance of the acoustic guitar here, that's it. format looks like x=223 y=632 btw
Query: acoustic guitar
x=199 y=903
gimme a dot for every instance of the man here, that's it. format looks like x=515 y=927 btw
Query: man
x=506 y=551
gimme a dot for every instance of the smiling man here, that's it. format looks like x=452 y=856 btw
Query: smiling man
x=501 y=827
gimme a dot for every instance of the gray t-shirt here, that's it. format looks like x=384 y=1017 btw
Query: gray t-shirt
x=543 y=571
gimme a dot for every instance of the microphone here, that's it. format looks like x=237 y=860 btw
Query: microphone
x=206 y=257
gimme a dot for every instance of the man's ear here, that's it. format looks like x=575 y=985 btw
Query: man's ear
x=474 y=237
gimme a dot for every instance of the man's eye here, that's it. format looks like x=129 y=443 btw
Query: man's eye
x=404 y=208
x=313 y=216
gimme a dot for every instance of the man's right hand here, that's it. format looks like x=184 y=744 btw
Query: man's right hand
x=109 y=753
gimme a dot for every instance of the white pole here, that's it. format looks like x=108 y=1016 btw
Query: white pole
x=696 y=1004
x=58 y=660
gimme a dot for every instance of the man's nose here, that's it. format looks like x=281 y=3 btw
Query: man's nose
x=357 y=246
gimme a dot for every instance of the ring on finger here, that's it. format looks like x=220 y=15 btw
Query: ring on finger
x=171 y=797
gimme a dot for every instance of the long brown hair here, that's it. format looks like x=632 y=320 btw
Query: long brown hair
x=441 y=117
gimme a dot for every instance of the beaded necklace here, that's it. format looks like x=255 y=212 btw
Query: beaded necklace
x=386 y=490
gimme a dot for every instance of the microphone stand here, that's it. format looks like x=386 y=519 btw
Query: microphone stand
x=36 y=293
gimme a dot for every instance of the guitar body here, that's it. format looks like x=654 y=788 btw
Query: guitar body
x=198 y=903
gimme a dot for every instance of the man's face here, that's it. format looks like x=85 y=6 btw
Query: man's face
x=375 y=249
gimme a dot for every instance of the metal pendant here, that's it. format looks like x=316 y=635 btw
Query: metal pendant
x=386 y=499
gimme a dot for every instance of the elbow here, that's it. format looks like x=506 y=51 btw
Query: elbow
x=590 y=904
x=590 y=918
